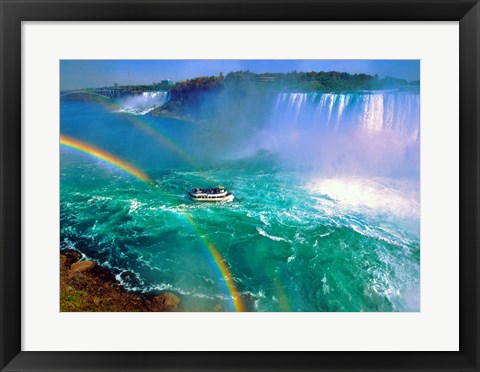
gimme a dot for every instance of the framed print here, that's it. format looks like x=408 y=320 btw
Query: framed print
x=251 y=186
x=264 y=215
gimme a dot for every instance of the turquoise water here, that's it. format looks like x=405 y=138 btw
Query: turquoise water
x=293 y=239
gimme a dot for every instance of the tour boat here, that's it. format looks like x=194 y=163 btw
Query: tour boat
x=214 y=194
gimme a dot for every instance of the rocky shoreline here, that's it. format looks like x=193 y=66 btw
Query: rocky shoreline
x=87 y=287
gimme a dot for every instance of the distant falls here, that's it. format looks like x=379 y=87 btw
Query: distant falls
x=143 y=103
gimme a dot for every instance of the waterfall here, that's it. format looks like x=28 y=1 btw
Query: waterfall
x=377 y=132
x=143 y=103
x=374 y=112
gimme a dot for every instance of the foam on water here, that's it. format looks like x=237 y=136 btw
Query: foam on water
x=274 y=238
x=261 y=234
x=292 y=238
x=378 y=195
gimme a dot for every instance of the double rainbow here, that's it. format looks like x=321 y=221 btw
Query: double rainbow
x=237 y=304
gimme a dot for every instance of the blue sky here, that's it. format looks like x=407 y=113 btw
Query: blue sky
x=75 y=74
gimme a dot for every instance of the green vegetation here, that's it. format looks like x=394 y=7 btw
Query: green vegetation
x=187 y=97
x=203 y=83
x=293 y=81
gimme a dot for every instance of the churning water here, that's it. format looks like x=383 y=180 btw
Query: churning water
x=326 y=215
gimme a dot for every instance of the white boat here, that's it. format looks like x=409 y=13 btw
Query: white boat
x=214 y=194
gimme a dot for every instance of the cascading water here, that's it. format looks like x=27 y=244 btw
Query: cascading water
x=373 y=132
x=327 y=220
x=141 y=104
x=375 y=112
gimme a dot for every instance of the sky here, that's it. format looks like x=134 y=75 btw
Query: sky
x=77 y=74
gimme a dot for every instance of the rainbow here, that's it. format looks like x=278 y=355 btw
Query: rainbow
x=161 y=138
x=211 y=249
x=281 y=295
x=155 y=133
x=220 y=264
x=104 y=156
x=127 y=168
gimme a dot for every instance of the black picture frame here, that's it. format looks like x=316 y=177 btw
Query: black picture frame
x=13 y=12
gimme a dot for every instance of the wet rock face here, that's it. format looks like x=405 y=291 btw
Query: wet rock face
x=71 y=257
x=130 y=278
x=81 y=266
x=127 y=275
x=85 y=286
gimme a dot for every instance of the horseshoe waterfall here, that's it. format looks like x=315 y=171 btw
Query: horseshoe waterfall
x=375 y=133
